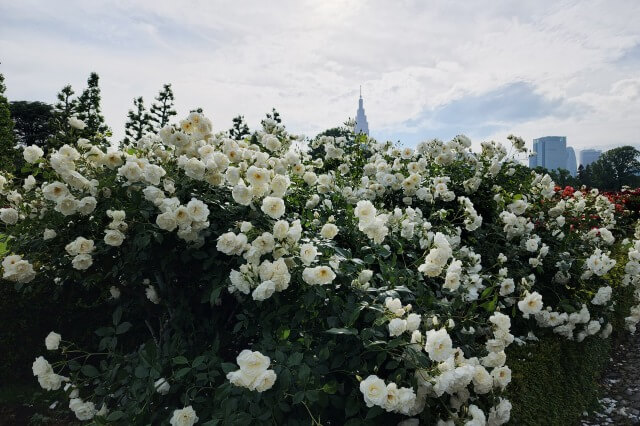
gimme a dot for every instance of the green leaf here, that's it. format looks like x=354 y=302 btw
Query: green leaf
x=89 y=370
x=330 y=387
x=115 y=416
x=298 y=397
x=215 y=295
x=347 y=331
x=141 y=372
x=295 y=359
x=353 y=406
x=182 y=372
x=117 y=315
x=105 y=331
x=284 y=335
x=198 y=361
x=228 y=367
x=123 y=328
x=373 y=412
x=180 y=360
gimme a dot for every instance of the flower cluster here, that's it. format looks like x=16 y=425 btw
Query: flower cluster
x=343 y=259
x=254 y=373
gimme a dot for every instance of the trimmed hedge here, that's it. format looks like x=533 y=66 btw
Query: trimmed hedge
x=555 y=380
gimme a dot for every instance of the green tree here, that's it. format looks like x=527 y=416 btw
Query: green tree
x=162 y=110
x=239 y=129
x=7 y=143
x=32 y=122
x=138 y=123
x=63 y=109
x=89 y=109
x=562 y=177
x=615 y=168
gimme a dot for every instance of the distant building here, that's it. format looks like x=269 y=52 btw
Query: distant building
x=571 y=164
x=588 y=156
x=362 y=125
x=551 y=153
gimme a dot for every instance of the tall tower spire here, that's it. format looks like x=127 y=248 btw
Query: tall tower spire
x=362 y=126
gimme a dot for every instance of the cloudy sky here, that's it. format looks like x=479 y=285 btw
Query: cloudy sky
x=427 y=69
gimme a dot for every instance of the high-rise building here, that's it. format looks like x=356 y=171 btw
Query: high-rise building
x=362 y=126
x=571 y=164
x=550 y=153
x=588 y=156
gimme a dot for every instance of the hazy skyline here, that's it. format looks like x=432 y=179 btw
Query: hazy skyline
x=437 y=69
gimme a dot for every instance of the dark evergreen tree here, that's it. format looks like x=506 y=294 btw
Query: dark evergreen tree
x=32 y=122
x=138 y=123
x=584 y=175
x=7 y=144
x=274 y=115
x=239 y=129
x=162 y=110
x=63 y=109
x=89 y=109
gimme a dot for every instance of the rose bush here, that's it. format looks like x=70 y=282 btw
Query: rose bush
x=259 y=281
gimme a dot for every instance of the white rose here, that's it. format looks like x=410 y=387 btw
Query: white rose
x=82 y=262
x=55 y=191
x=482 y=380
x=365 y=276
x=374 y=391
x=240 y=378
x=397 y=326
x=76 y=123
x=115 y=292
x=501 y=376
x=67 y=205
x=329 y=231
x=152 y=295
x=531 y=304
x=184 y=417
x=279 y=185
x=29 y=183
x=273 y=207
x=413 y=322
x=280 y=229
x=9 y=216
x=50 y=381
x=264 y=291
x=162 y=386
x=41 y=366
x=83 y=410
x=49 y=234
x=197 y=210
x=113 y=237
x=32 y=153
x=319 y=275
x=439 y=345
x=241 y=195
x=308 y=254
x=253 y=363
x=310 y=178
x=264 y=381
x=167 y=221
x=52 y=341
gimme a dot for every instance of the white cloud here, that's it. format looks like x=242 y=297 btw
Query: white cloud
x=414 y=60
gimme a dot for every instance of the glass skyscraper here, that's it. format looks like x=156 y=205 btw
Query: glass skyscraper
x=552 y=153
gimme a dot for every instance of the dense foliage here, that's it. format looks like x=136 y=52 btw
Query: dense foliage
x=256 y=280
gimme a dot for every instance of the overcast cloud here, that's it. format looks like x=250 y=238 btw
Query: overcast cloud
x=427 y=69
